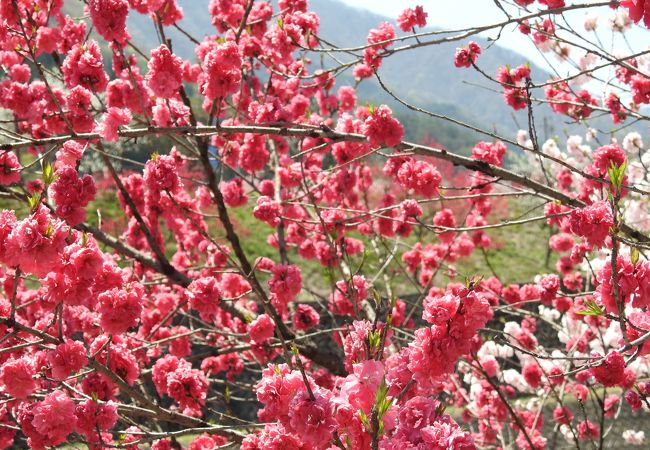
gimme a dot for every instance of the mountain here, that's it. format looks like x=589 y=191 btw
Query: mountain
x=423 y=76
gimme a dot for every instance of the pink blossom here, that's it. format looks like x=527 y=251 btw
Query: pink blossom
x=262 y=329
x=378 y=39
x=161 y=174
x=305 y=317
x=638 y=9
x=347 y=98
x=491 y=153
x=54 y=418
x=111 y=121
x=165 y=73
x=588 y=430
x=421 y=176
x=120 y=308
x=286 y=282
x=109 y=19
x=553 y=4
x=176 y=378
x=275 y=390
x=9 y=168
x=35 y=243
x=410 y=18
x=360 y=387
x=72 y=151
x=382 y=129
x=466 y=56
x=312 y=419
x=253 y=154
x=67 y=359
x=221 y=71
x=71 y=194
x=205 y=296
x=92 y=415
x=445 y=218
x=610 y=372
x=207 y=442
x=17 y=376
x=233 y=193
x=84 y=67
x=607 y=156
x=188 y=387
x=267 y=211
x=592 y=222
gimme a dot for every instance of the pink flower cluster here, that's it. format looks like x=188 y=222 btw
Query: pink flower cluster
x=109 y=19
x=176 y=378
x=592 y=222
x=633 y=284
x=419 y=175
x=639 y=9
x=120 y=309
x=205 y=295
x=454 y=317
x=165 y=72
x=378 y=39
x=221 y=71
x=491 y=153
x=382 y=129
x=563 y=100
x=611 y=370
x=71 y=194
x=514 y=85
x=34 y=244
x=466 y=56
x=421 y=426
x=412 y=17
x=9 y=168
x=84 y=67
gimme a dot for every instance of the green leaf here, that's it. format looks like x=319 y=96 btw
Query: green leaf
x=376 y=297
x=364 y=419
x=48 y=174
x=383 y=404
x=49 y=232
x=374 y=340
x=617 y=174
x=34 y=201
x=591 y=309
x=634 y=255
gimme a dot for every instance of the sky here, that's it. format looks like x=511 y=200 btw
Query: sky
x=466 y=13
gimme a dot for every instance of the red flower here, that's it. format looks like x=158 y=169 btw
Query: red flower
x=638 y=9
x=611 y=372
x=382 y=128
x=466 y=56
x=410 y=18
